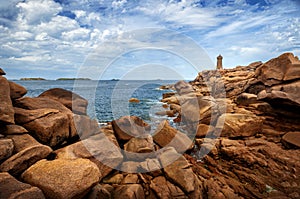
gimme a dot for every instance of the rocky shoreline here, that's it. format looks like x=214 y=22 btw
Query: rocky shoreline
x=239 y=138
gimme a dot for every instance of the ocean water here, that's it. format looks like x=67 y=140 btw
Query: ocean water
x=108 y=100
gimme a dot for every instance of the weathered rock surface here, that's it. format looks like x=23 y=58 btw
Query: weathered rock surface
x=166 y=135
x=49 y=126
x=239 y=125
x=134 y=191
x=2 y=72
x=6 y=108
x=63 y=178
x=27 y=151
x=98 y=148
x=85 y=126
x=128 y=127
x=165 y=189
x=16 y=90
x=292 y=139
x=12 y=188
x=13 y=130
x=139 y=148
x=286 y=67
x=71 y=100
x=6 y=148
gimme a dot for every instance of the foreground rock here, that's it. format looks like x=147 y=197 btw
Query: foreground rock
x=72 y=101
x=16 y=90
x=6 y=108
x=49 y=126
x=128 y=127
x=63 y=178
x=12 y=188
x=27 y=151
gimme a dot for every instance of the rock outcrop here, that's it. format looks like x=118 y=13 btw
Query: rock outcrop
x=235 y=134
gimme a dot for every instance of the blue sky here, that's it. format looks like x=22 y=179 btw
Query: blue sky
x=56 y=38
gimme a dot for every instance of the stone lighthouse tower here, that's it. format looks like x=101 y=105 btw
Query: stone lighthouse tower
x=219 y=62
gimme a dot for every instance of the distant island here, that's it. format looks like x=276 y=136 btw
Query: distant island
x=72 y=79
x=32 y=78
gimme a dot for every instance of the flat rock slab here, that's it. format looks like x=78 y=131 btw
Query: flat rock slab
x=12 y=188
x=16 y=90
x=292 y=138
x=63 y=179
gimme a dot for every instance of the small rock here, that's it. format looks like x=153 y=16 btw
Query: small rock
x=165 y=189
x=139 y=148
x=6 y=148
x=16 y=90
x=292 y=139
x=203 y=130
x=100 y=192
x=246 y=99
x=72 y=101
x=12 y=188
x=134 y=100
x=133 y=191
x=2 y=72
x=63 y=178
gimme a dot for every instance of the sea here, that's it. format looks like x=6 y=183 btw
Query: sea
x=109 y=99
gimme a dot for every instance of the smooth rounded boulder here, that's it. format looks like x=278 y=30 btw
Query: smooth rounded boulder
x=16 y=90
x=72 y=101
x=63 y=179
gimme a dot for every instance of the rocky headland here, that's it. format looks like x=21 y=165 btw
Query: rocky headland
x=239 y=137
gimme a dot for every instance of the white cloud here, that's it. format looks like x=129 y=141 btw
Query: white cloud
x=36 y=11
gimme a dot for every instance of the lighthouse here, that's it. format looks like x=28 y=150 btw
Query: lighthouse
x=219 y=62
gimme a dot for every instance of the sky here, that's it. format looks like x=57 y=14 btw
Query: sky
x=149 y=39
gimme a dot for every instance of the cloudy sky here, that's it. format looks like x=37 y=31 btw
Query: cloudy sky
x=70 y=38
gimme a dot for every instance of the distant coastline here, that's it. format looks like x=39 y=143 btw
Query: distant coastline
x=59 y=79
x=32 y=78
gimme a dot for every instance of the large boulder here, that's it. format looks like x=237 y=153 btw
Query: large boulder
x=286 y=67
x=128 y=127
x=40 y=102
x=85 y=126
x=72 y=101
x=16 y=90
x=183 y=87
x=98 y=148
x=27 y=151
x=179 y=170
x=239 y=125
x=63 y=178
x=6 y=108
x=166 y=135
x=49 y=126
x=12 y=188
x=283 y=94
x=6 y=148
x=201 y=109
